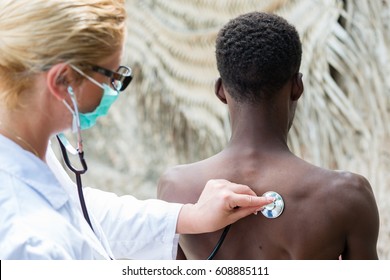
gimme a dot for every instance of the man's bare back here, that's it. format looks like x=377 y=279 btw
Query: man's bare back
x=327 y=213
x=323 y=209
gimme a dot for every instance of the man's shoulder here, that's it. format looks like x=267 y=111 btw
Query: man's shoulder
x=335 y=178
x=177 y=173
x=342 y=186
x=349 y=191
x=349 y=181
x=180 y=183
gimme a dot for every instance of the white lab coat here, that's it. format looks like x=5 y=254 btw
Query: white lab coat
x=41 y=216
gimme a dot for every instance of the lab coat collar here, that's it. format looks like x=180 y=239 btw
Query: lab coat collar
x=32 y=170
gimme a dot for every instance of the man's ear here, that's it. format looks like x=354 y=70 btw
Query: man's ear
x=220 y=91
x=58 y=80
x=297 y=87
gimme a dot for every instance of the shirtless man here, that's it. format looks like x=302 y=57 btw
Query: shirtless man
x=327 y=214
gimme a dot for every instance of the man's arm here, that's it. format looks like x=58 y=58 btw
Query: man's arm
x=363 y=224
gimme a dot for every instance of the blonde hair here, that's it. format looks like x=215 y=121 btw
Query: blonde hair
x=35 y=35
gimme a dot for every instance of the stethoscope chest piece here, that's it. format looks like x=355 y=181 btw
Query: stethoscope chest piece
x=274 y=209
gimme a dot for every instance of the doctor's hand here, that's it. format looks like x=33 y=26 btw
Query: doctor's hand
x=220 y=204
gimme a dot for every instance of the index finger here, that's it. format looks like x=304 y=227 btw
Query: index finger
x=245 y=200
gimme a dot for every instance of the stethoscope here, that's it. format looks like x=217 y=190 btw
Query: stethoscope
x=270 y=211
x=67 y=147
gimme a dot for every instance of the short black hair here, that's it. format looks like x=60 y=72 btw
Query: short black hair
x=256 y=55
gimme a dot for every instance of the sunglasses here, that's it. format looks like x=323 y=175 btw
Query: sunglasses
x=120 y=79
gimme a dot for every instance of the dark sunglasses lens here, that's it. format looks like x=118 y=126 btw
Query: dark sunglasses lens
x=122 y=83
x=126 y=82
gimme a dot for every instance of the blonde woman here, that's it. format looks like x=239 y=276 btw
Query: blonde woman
x=60 y=69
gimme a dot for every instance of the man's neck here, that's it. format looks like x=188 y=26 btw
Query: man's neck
x=259 y=129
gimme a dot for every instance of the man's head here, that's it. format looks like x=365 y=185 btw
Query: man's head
x=257 y=53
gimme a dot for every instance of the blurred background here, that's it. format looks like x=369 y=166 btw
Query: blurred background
x=170 y=115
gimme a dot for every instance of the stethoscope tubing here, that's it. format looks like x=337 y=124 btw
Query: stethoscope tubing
x=78 y=173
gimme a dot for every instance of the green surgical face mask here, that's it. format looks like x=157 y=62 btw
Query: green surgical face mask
x=87 y=120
